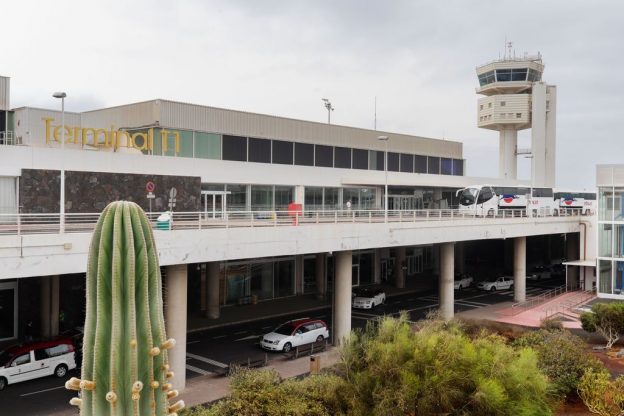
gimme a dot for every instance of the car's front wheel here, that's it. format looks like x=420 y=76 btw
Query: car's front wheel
x=459 y=287
x=320 y=338
x=287 y=347
x=493 y=289
x=60 y=371
x=3 y=383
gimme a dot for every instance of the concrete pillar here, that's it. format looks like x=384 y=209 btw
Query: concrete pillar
x=447 y=273
x=321 y=281
x=175 y=321
x=377 y=266
x=460 y=257
x=572 y=253
x=342 y=296
x=519 y=268
x=213 y=309
x=299 y=275
x=203 y=289
x=45 y=307
x=54 y=305
x=400 y=268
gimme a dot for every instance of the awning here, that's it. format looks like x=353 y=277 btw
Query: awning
x=584 y=263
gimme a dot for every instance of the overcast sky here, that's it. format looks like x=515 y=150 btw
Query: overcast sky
x=282 y=57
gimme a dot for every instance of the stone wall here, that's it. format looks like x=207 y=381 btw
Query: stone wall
x=86 y=192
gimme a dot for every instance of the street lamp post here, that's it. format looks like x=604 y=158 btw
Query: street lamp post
x=328 y=106
x=385 y=139
x=531 y=156
x=62 y=96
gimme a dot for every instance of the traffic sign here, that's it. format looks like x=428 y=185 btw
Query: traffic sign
x=150 y=186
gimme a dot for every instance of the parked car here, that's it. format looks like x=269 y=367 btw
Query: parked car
x=558 y=270
x=539 y=273
x=294 y=333
x=501 y=283
x=36 y=359
x=463 y=281
x=368 y=298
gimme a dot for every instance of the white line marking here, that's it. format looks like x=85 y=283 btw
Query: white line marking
x=206 y=360
x=248 y=338
x=41 y=391
x=220 y=336
x=266 y=327
x=192 y=342
x=197 y=370
x=240 y=332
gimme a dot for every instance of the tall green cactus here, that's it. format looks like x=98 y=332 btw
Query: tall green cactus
x=125 y=368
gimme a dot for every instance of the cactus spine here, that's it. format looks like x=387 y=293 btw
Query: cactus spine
x=125 y=369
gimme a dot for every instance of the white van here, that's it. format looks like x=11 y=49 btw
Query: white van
x=35 y=360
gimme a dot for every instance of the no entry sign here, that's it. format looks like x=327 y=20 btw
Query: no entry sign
x=149 y=187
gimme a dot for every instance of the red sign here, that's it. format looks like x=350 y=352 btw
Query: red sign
x=149 y=187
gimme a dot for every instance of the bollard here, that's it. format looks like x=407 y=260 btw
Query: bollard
x=315 y=364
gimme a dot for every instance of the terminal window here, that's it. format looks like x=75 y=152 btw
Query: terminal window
x=282 y=152
x=304 y=154
x=235 y=148
x=407 y=163
x=259 y=150
x=323 y=156
x=420 y=164
x=342 y=157
x=360 y=159
x=393 y=162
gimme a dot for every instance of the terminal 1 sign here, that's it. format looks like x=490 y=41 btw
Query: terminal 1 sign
x=109 y=138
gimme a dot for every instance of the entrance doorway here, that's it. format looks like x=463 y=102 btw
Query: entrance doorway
x=404 y=202
x=215 y=203
x=8 y=311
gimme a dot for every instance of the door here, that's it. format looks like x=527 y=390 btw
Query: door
x=214 y=204
x=8 y=311
x=22 y=368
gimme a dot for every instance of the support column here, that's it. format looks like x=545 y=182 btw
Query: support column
x=175 y=321
x=572 y=253
x=203 y=290
x=342 y=299
x=321 y=281
x=519 y=269
x=447 y=273
x=45 y=307
x=213 y=309
x=54 y=305
x=400 y=267
x=299 y=275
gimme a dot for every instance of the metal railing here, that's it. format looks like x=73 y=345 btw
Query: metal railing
x=567 y=305
x=533 y=301
x=19 y=224
x=8 y=138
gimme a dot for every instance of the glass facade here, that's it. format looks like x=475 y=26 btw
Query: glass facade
x=611 y=241
x=262 y=278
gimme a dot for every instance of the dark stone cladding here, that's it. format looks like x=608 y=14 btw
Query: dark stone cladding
x=87 y=192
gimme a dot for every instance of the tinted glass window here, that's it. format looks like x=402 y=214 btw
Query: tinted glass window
x=304 y=154
x=22 y=359
x=342 y=157
x=420 y=164
x=324 y=156
x=58 y=350
x=40 y=355
x=259 y=150
x=207 y=145
x=393 y=162
x=433 y=164
x=458 y=167
x=235 y=148
x=282 y=152
x=310 y=327
x=360 y=159
x=379 y=160
x=446 y=166
x=407 y=163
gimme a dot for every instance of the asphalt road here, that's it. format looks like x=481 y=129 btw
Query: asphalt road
x=211 y=349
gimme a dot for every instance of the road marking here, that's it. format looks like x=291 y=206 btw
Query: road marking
x=197 y=370
x=240 y=332
x=192 y=342
x=249 y=337
x=266 y=327
x=206 y=360
x=220 y=336
x=41 y=391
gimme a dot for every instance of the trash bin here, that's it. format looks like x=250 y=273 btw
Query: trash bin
x=315 y=364
x=163 y=221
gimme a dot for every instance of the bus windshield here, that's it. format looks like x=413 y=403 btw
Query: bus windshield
x=468 y=196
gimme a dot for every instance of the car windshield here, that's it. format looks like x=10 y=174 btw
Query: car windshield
x=4 y=358
x=468 y=196
x=286 y=329
x=366 y=293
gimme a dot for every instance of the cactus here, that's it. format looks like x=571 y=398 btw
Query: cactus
x=125 y=368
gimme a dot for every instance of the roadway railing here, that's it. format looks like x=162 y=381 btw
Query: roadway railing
x=533 y=301
x=567 y=305
x=19 y=224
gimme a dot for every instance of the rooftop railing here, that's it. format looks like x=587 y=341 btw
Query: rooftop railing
x=8 y=138
x=20 y=224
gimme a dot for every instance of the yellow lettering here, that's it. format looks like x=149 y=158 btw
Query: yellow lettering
x=176 y=140
x=57 y=133
x=136 y=145
x=48 y=124
x=150 y=137
x=123 y=139
x=96 y=133
x=165 y=140
x=76 y=134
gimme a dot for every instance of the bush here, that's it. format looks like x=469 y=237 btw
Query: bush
x=607 y=319
x=561 y=356
x=391 y=369
x=600 y=394
x=552 y=324
x=262 y=392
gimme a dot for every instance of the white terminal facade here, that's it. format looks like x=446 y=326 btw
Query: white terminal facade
x=227 y=164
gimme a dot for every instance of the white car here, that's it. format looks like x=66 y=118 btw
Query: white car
x=539 y=273
x=368 y=298
x=35 y=360
x=295 y=333
x=501 y=283
x=463 y=281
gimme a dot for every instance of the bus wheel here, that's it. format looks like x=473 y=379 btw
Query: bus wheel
x=490 y=213
x=588 y=212
x=556 y=213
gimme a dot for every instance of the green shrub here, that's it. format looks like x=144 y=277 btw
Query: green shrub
x=552 y=324
x=602 y=395
x=607 y=319
x=391 y=369
x=562 y=356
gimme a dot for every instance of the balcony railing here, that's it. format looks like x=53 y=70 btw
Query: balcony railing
x=20 y=224
x=8 y=138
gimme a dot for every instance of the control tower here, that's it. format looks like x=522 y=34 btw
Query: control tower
x=515 y=98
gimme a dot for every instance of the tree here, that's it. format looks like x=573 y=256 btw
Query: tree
x=125 y=366
x=607 y=319
x=392 y=369
x=602 y=395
